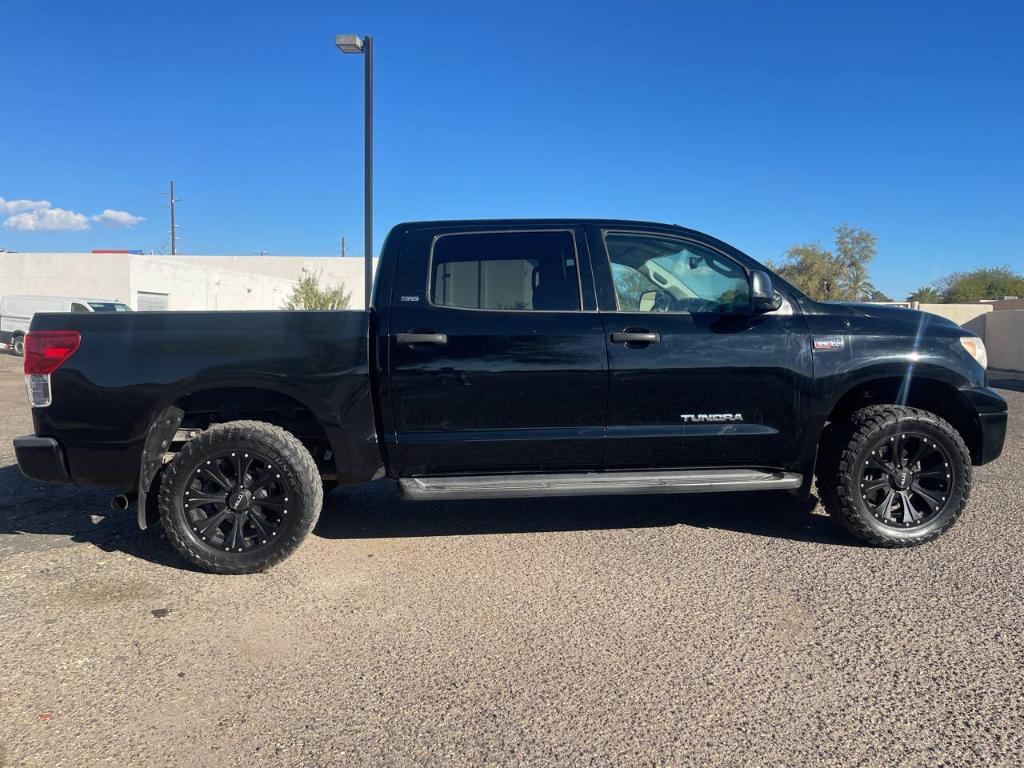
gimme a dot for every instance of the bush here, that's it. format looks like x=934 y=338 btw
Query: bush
x=307 y=294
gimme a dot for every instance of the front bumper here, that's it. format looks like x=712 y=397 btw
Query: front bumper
x=990 y=407
x=41 y=458
x=993 y=435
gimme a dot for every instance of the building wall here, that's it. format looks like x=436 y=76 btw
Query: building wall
x=190 y=282
x=1002 y=304
x=1004 y=340
x=93 y=276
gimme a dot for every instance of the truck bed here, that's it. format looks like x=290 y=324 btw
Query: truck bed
x=130 y=367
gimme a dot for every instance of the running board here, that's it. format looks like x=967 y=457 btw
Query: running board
x=596 y=483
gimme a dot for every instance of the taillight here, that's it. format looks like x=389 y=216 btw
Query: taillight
x=46 y=351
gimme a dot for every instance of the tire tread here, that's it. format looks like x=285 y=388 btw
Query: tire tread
x=251 y=434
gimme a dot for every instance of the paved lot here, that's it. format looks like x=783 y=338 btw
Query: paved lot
x=717 y=630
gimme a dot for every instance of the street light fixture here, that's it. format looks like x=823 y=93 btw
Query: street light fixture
x=364 y=45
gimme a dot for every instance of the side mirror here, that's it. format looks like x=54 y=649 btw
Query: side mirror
x=763 y=297
x=647 y=301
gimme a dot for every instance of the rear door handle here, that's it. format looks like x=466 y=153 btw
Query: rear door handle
x=635 y=337
x=422 y=338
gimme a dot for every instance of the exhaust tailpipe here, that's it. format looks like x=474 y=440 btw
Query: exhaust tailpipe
x=120 y=503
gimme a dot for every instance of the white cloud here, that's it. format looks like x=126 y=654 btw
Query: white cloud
x=40 y=216
x=47 y=220
x=117 y=218
x=12 y=207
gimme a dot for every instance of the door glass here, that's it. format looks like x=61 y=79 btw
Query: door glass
x=506 y=271
x=661 y=274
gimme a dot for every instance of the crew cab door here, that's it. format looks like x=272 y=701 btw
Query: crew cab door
x=696 y=379
x=496 y=353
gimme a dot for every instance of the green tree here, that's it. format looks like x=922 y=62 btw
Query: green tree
x=877 y=295
x=810 y=268
x=307 y=294
x=855 y=249
x=926 y=295
x=984 y=283
x=823 y=274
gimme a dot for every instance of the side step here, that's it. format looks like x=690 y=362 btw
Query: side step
x=596 y=483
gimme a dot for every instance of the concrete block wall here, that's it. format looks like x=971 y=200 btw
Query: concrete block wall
x=961 y=314
x=1004 y=341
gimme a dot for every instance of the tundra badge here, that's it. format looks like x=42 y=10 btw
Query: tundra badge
x=704 y=418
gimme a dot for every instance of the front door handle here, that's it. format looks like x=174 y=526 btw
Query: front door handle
x=635 y=337
x=422 y=338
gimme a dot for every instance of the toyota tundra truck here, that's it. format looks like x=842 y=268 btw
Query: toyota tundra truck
x=515 y=358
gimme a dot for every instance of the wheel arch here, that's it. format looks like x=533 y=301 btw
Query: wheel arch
x=218 y=403
x=930 y=394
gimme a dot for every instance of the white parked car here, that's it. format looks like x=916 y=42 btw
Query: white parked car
x=16 y=314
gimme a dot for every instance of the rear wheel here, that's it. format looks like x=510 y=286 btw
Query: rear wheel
x=240 y=498
x=895 y=476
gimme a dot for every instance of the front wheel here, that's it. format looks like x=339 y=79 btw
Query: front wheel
x=18 y=345
x=240 y=498
x=895 y=476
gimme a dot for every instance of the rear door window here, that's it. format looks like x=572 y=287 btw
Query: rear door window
x=506 y=271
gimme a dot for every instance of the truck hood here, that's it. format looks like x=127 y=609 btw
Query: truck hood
x=900 y=314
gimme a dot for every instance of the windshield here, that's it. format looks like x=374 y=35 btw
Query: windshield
x=109 y=306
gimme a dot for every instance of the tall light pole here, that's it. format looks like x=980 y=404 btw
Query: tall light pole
x=364 y=45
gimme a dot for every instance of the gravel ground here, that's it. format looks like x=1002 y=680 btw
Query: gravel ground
x=705 y=630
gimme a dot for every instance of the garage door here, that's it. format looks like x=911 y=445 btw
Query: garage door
x=151 y=302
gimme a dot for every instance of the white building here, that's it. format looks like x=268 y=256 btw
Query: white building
x=175 y=282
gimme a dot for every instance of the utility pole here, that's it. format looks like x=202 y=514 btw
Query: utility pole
x=173 y=199
x=343 y=247
x=174 y=247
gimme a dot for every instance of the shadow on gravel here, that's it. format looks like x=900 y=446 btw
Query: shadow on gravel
x=38 y=516
x=35 y=517
x=376 y=510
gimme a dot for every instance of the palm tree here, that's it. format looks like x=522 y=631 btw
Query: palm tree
x=926 y=295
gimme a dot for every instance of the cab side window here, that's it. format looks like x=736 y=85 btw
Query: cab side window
x=509 y=271
x=663 y=274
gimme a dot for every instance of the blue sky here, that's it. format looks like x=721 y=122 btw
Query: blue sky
x=763 y=123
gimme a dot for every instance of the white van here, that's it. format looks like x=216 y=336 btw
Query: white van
x=16 y=314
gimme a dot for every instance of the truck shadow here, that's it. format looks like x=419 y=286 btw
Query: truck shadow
x=376 y=510
x=37 y=517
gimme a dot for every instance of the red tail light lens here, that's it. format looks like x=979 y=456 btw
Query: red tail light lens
x=46 y=351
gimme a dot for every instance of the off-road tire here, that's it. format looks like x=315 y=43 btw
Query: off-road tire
x=839 y=472
x=289 y=456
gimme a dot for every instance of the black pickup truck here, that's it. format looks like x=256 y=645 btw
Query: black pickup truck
x=516 y=358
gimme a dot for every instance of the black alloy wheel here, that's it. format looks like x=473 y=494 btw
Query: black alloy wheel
x=906 y=480
x=237 y=502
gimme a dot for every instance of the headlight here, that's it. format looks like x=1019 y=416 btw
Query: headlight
x=975 y=348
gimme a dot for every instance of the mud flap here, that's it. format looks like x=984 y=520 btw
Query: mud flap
x=158 y=440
